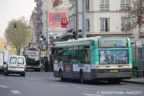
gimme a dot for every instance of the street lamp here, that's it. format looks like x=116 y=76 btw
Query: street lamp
x=84 y=18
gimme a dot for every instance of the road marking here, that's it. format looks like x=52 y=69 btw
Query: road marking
x=82 y=88
x=15 y=92
x=87 y=94
x=86 y=88
x=3 y=86
x=59 y=85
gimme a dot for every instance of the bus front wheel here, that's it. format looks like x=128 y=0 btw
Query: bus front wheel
x=82 y=78
x=61 y=76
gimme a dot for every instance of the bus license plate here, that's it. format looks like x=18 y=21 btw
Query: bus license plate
x=113 y=70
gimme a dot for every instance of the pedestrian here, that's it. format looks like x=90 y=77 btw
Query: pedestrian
x=51 y=63
x=42 y=64
x=46 y=64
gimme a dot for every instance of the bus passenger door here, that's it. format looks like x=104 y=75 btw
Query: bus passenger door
x=67 y=66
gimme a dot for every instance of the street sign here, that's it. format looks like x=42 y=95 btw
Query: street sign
x=66 y=5
x=64 y=22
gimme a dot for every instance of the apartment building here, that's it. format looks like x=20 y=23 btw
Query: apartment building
x=103 y=18
x=47 y=6
x=36 y=21
x=53 y=6
x=33 y=28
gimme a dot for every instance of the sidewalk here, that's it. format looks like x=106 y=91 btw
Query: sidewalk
x=137 y=80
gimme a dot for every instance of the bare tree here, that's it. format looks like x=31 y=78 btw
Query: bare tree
x=19 y=37
x=135 y=11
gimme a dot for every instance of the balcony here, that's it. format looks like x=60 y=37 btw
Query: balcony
x=124 y=6
x=104 y=7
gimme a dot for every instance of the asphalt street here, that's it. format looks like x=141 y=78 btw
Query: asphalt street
x=44 y=84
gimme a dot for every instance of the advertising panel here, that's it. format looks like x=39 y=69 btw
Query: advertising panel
x=55 y=18
x=114 y=57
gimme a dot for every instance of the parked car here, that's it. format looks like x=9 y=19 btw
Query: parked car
x=16 y=64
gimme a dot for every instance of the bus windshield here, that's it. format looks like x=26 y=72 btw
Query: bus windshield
x=114 y=57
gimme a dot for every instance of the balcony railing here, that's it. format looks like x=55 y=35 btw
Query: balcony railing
x=104 y=7
x=124 y=6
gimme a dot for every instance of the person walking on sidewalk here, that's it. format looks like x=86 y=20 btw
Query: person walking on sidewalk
x=46 y=64
x=42 y=64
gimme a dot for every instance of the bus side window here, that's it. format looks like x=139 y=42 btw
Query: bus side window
x=55 y=53
x=87 y=57
x=67 y=59
x=60 y=59
x=83 y=54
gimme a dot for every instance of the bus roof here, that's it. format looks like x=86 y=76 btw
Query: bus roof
x=82 y=41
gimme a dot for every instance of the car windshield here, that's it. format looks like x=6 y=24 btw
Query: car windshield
x=13 y=60
x=114 y=57
x=20 y=60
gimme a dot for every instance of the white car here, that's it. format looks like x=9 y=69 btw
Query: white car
x=16 y=64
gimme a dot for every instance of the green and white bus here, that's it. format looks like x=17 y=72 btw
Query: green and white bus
x=95 y=58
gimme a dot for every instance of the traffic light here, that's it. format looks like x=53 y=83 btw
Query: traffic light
x=15 y=27
x=43 y=38
x=75 y=35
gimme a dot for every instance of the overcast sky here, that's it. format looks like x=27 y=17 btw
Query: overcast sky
x=12 y=9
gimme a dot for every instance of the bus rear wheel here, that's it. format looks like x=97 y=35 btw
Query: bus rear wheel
x=115 y=81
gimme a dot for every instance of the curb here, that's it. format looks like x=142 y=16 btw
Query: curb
x=135 y=82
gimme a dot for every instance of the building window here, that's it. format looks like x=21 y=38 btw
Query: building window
x=104 y=5
x=125 y=23
x=56 y=2
x=125 y=4
x=105 y=23
x=87 y=24
x=87 y=5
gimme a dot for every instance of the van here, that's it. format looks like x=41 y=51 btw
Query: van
x=16 y=64
x=4 y=55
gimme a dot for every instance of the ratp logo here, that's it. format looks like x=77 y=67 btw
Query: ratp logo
x=57 y=17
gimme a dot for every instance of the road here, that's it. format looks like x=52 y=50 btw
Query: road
x=44 y=84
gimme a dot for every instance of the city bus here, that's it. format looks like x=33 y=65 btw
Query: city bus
x=95 y=58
